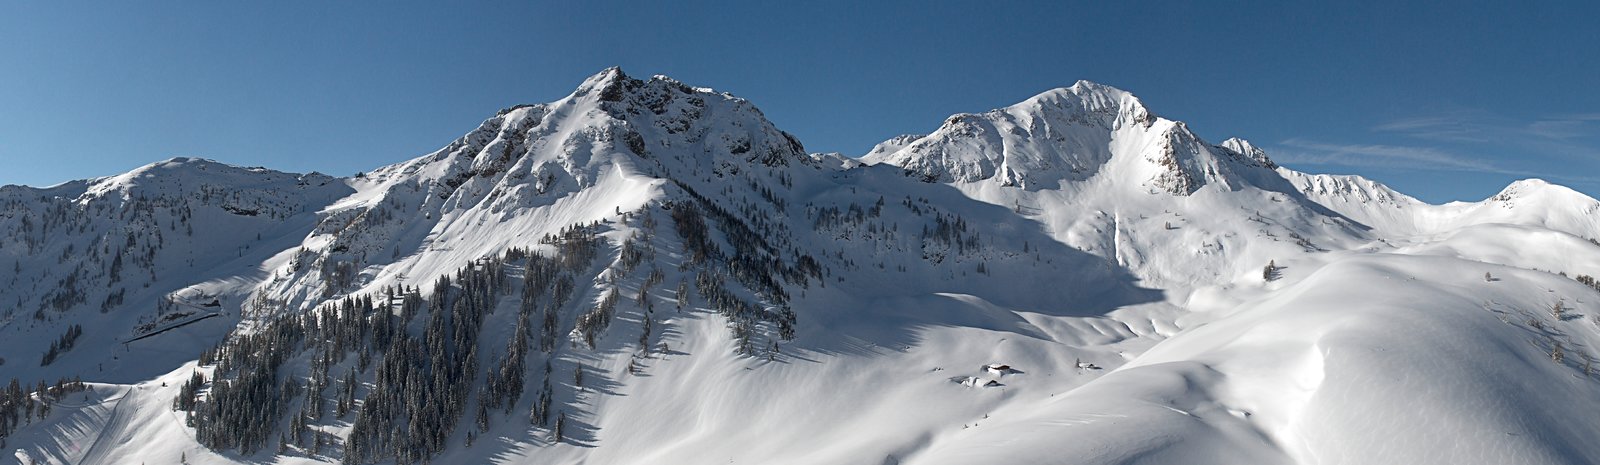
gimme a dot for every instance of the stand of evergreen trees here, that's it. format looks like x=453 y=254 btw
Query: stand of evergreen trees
x=413 y=378
x=754 y=264
x=21 y=405
x=61 y=344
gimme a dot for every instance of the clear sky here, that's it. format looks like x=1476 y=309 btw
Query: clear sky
x=1442 y=102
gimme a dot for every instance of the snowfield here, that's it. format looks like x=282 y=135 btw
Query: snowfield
x=650 y=272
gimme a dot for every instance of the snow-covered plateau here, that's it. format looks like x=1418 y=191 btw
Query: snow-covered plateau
x=646 y=272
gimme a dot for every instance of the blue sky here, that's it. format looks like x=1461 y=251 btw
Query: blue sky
x=1442 y=102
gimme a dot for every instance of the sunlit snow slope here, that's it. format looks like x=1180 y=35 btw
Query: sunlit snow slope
x=649 y=272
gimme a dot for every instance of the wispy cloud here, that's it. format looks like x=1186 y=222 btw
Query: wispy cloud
x=1380 y=156
x=1410 y=158
x=1563 y=147
x=1570 y=135
x=1442 y=128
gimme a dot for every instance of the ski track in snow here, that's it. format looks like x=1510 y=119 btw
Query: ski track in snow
x=110 y=434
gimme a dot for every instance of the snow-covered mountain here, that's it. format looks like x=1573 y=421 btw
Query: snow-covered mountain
x=649 y=272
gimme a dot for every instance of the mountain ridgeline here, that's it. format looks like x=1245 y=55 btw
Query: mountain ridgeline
x=647 y=272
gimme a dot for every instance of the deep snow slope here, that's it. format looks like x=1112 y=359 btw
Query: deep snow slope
x=680 y=282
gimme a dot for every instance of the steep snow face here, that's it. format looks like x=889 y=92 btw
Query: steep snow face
x=610 y=147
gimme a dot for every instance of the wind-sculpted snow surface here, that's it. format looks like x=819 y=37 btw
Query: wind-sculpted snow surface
x=1428 y=364
x=649 y=272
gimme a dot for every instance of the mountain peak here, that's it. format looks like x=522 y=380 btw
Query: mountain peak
x=608 y=78
x=611 y=126
x=1541 y=191
x=181 y=174
x=176 y=168
x=181 y=163
x=1089 y=101
x=613 y=85
x=1085 y=86
x=1530 y=183
x=1522 y=188
x=1073 y=134
x=1246 y=152
x=1240 y=145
